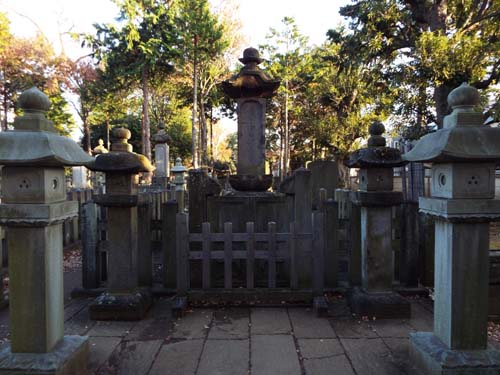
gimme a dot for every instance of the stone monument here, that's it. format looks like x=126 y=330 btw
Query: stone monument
x=250 y=88
x=162 y=157
x=464 y=155
x=33 y=209
x=124 y=300
x=376 y=198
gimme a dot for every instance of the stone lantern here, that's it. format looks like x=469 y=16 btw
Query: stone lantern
x=250 y=87
x=98 y=177
x=464 y=155
x=162 y=158
x=376 y=199
x=179 y=172
x=33 y=209
x=124 y=300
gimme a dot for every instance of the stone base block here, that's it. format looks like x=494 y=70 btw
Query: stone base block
x=432 y=357
x=383 y=305
x=121 y=306
x=69 y=357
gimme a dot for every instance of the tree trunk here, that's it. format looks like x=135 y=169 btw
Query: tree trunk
x=5 y=111
x=194 y=134
x=286 y=161
x=86 y=130
x=211 y=135
x=146 y=145
x=203 y=135
x=106 y=133
x=441 y=99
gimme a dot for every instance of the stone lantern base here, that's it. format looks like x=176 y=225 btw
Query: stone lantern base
x=382 y=305
x=121 y=306
x=69 y=357
x=433 y=357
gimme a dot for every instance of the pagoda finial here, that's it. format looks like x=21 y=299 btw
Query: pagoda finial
x=121 y=143
x=376 y=138
x=464 y=98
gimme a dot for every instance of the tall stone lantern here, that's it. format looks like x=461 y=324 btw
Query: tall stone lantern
x=376 y=199
x=124 y=300
x=464 y=155
x=250 y=87
x=33 y=209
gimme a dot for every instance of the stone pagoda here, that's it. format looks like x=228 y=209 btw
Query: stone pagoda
x=464 y=155
x=250 y=88
x=376 y=198
x=124 y=300
x=33 y=208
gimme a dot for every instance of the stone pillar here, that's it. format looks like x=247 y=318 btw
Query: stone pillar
x=33 y=208
x=80 y=180
x=125 y=299
x=162 y=157
x=179 y=172
x=376 y=198
x=251 y=136
x=464 y=155
x=324 y=175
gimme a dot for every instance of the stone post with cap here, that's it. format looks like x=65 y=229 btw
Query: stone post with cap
x=179 y=172
x=376 y=198
x=124 y=300
x=464 y=155
x=162 y=158
x=33 y=209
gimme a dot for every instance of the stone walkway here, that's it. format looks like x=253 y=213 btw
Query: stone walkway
x=233 y=341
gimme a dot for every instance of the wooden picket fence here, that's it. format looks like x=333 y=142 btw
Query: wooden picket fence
x=272 y=253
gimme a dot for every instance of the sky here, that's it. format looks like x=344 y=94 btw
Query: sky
x=57 y=17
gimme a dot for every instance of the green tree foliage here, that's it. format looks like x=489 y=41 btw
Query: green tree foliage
x=427 y=48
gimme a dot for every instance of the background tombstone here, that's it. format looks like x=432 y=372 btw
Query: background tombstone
x=464 y=155
x=324 y=175
x=33 y=207
x=125 y=300
x=376 y=198
x=162 y=157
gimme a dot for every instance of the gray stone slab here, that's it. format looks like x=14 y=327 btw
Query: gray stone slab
x=74 y=306
x=194 y=325
x=307 y=325
x=270 y=321
x=111 y=329
x=151 y=329
x=132 y=358
x=318 y=348
x=100 y=349
x=392 y=328
x=421 y=319
x=79 y=324
x=178 y=358
x=225 y=357
x=353 y=329
x=274 y=355
x=370 y=357
x=338 y=365
x=230 y=324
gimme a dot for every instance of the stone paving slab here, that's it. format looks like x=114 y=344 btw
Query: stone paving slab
x=351 y=328
x=337 y=365
x=100 y=349
x=421 y=318
x=318 y=348
x=274 y=355
x=370 y=357
x=111 y=329
x=391 y=328
x=194 y=325
x=230 y=324
x=178 y=358
x=80 y=324
x=224 y=357
x=270 y=321
x=306 y=324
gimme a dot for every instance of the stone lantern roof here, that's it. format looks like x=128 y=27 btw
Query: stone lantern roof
x=178 y=167
x=121 y=159
x=161 y=136
x=251 y=81
x=376 y=155
x=34 y=141
x=463 y=138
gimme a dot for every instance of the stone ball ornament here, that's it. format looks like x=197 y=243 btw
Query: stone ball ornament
x=464 y=96
x=34 y=100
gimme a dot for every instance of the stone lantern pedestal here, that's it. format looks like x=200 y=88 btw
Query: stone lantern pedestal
x=124 y=300
x=464 y=154
x=375 y=197
x=33 y=209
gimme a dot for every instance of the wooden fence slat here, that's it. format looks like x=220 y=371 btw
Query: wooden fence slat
x=294 y=281
x=318 y=252
x=242 y=255
x=228 y=255
x=271 y=254
x=206 y=255
x=182 y=254
x=322 y=198
x=169 y=244
x=250 y=255
x=242 y=237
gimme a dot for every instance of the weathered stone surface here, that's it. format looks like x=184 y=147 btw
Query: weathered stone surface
x=274 y=355
x=353 y=329
x=121 y=306
x=132 y=357
x=225 y=357
x=178 y=358
x=230 y=324
x=370 y=357
x=338 y=365
x=111 y=329
x=270 y=321
x=100 y=349
x=319 y=348
x=391 y=328
x=194 y=325
x=306 y=325
x=381 y=305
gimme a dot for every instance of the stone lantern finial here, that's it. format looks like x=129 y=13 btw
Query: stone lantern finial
x=34 y=100
x=464 y=98
x=100 y=149
x=34 y=104
x=121 y=143
x=161 y=136
x=376 y=139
